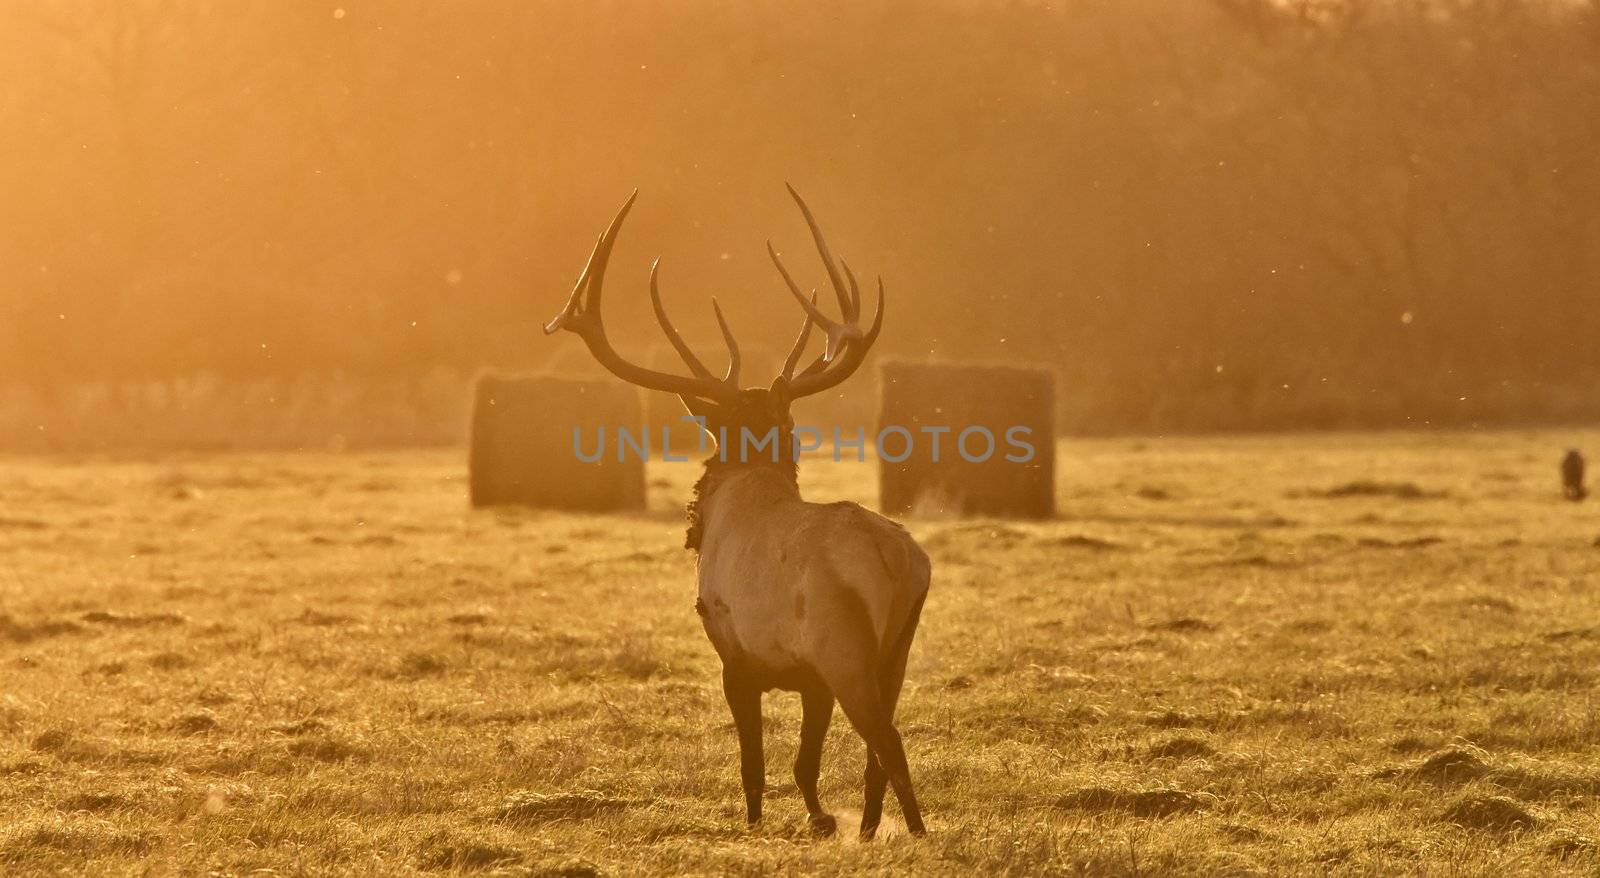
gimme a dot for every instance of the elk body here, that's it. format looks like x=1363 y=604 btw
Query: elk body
x=817 y=598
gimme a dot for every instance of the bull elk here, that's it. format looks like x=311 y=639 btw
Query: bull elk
x=817 y=598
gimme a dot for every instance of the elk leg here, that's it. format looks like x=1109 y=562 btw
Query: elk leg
x=817 y=702
x=877 y=781
x=863 y=703
x=744 y=700
x=890 y=679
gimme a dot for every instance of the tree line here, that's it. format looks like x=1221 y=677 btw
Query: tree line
x=1203 y=214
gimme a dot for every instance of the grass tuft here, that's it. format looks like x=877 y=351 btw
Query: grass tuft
x=1182 y=747
x=1496 y=814
x=524 y=807
x=198 y=723
x=421 y=664
x=445 y=850
x=1140 y=803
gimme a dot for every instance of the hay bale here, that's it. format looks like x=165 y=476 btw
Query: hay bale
x=522 y=448
x=914 y=396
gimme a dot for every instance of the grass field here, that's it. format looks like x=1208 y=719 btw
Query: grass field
x=1367 y=654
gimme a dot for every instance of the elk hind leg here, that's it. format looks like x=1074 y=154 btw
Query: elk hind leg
x=817 y=704
x=856 y=681
x=877 y=777
x=744 y=700
x=891 y=677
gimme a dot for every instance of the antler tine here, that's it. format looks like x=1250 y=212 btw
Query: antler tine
x=819 y=376
x=827 y=257
x=732 y=376
x=799 y=343
x=591 y=280
x=837 y=333
x=810 y=307
x=678 y=344
x=582 y=316
x=572 y=309
x=854 y=313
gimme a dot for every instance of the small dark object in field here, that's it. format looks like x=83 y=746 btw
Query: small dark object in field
x=199 y=723
x=326 y=749
x=1080 y=541
x=996 y=398
x=1365 y=488
x=94 y=803
x=1257 y=560
x=1572 y=476
x=421 y=664
x=318 y=618
x=522 y=445
x=1183 y=625
x=26 y=632
x=1140 y=803
x=1500 y=814
x=1412 y=543
x=52 y=740
x=170 y=661
x=133 y=620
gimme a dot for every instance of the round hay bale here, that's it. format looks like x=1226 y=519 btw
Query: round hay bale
x=522 y=449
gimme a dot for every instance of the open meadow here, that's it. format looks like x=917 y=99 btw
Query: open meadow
x=1343 y=653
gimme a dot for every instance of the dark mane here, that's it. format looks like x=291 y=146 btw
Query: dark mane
x=716 y=471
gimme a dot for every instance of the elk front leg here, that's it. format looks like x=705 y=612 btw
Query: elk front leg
x=817 y=702
x=744 y=700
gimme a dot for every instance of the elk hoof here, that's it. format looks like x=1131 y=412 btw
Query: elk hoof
x=823 y=824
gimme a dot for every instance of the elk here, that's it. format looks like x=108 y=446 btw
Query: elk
x=821 y=599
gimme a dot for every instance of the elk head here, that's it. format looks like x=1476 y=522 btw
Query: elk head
x=720 y=401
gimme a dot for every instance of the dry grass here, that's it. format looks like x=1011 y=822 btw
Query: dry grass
x=329 y=664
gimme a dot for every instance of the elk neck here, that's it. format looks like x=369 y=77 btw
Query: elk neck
x=719 y=472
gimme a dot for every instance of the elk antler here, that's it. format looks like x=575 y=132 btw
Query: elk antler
x=582 y=316
x=799 y=343
x=829 y=369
